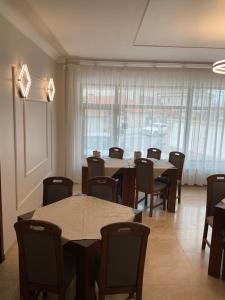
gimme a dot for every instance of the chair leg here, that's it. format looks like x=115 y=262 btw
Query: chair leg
x=151 y=204
x=138 y=295
x=205 y=232
x=136 y=199
x=179 y=192
x=26 y=293
x=223 y=270
x=164 y=199
x=101 y=296
x=131 y=295
x=146 y=199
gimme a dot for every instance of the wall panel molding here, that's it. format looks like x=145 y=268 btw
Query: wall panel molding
x=28 y=131
x=33 y=139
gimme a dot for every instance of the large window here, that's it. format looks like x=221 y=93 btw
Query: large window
x=136 y=109
x=133 y=118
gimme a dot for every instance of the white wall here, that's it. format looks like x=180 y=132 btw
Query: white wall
x=28 y=129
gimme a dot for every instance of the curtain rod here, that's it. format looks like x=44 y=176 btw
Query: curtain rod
x=137 y=64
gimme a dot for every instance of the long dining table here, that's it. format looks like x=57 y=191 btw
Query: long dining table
x=126 y=168
x=81 y=219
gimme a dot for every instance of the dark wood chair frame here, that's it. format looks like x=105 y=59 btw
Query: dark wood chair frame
x=210 y=203
x=85 y=251
x=154 y=153
x=119 y=229
x=49 y=229
x=150 y=189
x=117 y=151
x=2 y=255
x=177 y=159
x=92 y=161
x=59 y=181
x=103 y=181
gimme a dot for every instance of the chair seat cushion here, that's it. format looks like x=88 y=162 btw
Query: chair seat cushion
x=159 y=186
x=210 y=220
x=163 y=179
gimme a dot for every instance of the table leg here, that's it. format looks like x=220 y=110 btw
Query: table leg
x=173 y=175
x=85 y=252
x=84 y=180
x=128 y=187
x=216 y=249
x=131 y=188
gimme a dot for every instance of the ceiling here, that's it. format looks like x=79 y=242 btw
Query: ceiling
x=136 y=30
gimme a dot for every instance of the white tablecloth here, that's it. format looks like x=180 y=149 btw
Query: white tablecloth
x=82 y=217
x=112 y=165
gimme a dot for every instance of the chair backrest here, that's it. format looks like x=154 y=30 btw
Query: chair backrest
x=215 y=192
x=103 y=187
x=177 y=159
x=123 y=256
x=154 y=153
x=96 y=166
x=116 y=152
x=144 y=175
x=56 y=188
x=41 y=254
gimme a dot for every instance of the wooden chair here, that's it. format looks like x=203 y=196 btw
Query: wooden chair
x=121 y=267
x=116 y=152
x=56 y=188
x=44 y=266
x=223 y=266
x=215 y=193
x=96 y=166
x=145 y=183
x=103 y=187
x=154 y=153
x=177 y=159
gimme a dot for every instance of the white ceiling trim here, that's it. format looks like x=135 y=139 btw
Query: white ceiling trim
x=11 y=12
x=136 y=64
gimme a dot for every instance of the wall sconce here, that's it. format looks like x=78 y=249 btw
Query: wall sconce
x=219 y=67
x=24 y=81
x=51 y=90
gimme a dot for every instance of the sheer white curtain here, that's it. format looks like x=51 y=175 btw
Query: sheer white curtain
x=134 y=108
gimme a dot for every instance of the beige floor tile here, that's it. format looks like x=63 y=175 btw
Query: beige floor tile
x=9 y=290
x=176 y=268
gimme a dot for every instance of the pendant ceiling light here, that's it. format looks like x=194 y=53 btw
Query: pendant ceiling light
x=219 y=67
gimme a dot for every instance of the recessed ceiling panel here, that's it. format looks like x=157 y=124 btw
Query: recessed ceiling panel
x=152 y=30
x=183 y=23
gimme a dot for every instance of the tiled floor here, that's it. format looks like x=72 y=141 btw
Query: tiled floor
x=175 y=268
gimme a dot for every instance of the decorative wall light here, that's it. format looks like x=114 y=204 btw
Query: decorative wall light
x=51 y=90
x=219 y=67
x=24 y=81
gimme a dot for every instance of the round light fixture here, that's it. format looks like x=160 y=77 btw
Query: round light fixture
x=219 y=67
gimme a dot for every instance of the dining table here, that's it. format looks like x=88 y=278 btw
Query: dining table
x=216 y=266
x=81 y=218
x=125 y=168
